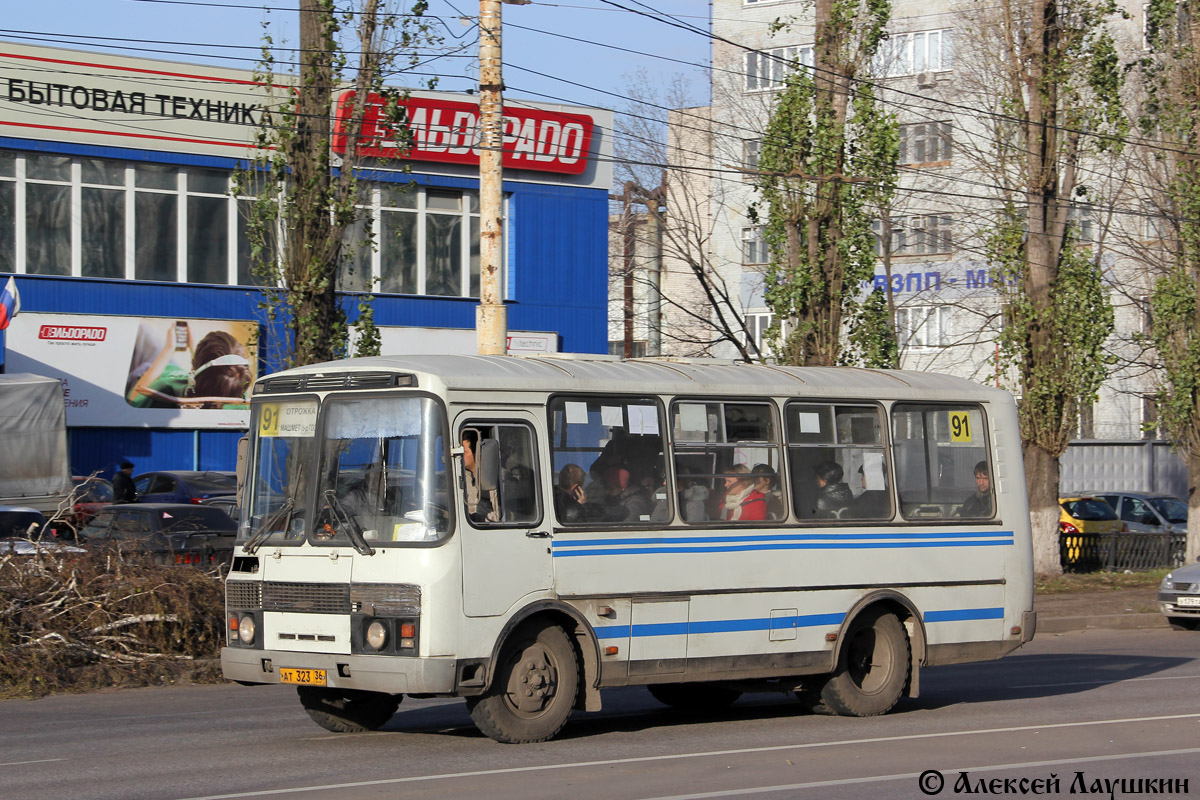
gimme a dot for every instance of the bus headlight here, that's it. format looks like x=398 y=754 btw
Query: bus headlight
x=377 y=635
x=246 y=629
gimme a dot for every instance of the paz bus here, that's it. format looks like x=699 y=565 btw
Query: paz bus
x=527 y=532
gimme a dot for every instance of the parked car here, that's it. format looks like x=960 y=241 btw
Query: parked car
x=226 y=502
x=1087 y=515
x=1179 y=597
x=21 y=522
x=1144 y=512
x=174 y=486
x=89 y=495
x=169 y=532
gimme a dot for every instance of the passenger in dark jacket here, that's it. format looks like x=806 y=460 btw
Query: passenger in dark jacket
x=832 y=494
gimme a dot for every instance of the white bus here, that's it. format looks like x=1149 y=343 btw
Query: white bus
x=526 y=532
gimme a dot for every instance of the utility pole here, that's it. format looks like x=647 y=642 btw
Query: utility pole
x=491 y=315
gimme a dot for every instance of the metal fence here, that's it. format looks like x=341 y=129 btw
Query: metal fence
x=1145 y=465
x=1089 y=552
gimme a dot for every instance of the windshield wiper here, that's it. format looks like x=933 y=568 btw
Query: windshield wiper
x=353 y=530
x=283 y=513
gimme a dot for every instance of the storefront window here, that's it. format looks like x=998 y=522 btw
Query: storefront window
x=48 y=229
x=208 y=239
x=80 y=213
x=103 y=231
x=154 y=234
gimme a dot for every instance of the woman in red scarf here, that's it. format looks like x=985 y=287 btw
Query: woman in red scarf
x=743 y=502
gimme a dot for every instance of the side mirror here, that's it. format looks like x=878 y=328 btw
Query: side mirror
x=487 y=464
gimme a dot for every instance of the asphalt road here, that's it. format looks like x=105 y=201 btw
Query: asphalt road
x=1085 y=706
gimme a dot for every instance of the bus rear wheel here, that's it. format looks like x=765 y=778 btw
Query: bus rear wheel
x=872 y=671
x=348 y=710
x=533 y=689
x=694 y=697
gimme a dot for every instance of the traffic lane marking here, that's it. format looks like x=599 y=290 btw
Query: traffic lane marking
x=738 y=752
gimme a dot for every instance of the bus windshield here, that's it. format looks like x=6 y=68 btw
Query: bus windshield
x=382 y=472
x=381 y=477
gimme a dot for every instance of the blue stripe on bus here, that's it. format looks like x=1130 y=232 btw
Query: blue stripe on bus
x=716 y=626
x=793 y=546
x=964 y=614
x=785 y=537
x=769 y=623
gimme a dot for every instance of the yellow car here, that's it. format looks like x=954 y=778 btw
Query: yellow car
x=1087 y=515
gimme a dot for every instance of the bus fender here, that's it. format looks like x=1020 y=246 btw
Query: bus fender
x=910 y=617
x=580 y=631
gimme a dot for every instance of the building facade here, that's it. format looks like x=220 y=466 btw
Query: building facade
x=128 y=239
x=933 y=73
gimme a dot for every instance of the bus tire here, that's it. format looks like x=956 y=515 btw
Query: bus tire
x=348 y=710
x=872 y=670
x=694 y=697
x=533 y=689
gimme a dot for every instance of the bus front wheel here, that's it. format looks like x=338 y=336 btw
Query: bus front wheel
x=348 y=710
x=533 y=689
x=872 y=669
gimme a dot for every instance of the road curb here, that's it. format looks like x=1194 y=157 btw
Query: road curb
x=1110 y=621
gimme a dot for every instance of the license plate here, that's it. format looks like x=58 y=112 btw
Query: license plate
x=304 y=677
x=1188 y=602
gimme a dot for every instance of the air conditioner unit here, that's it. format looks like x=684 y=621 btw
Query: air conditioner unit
x=926 y=79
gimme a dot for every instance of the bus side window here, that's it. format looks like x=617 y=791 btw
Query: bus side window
x=514 y=501
x=608 y=461
x=938 y=451
x=727 y=462
x=837 y=462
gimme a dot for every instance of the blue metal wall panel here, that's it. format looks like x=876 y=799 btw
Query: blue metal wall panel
x=101 y=449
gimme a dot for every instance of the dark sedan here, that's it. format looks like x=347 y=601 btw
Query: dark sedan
x=171 y=533
x=178 y=486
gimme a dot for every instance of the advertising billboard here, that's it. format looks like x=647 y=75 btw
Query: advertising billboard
x=147 y=372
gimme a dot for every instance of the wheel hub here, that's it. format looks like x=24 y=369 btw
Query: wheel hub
x=533 y=682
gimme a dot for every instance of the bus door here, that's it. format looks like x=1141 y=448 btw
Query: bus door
x=505 y=530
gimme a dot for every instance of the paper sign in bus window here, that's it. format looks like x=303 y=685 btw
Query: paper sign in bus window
x=611 y=416
x=576 y=413
x=810 y=421
x=643 y=420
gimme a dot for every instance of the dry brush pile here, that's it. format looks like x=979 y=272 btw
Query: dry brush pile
x=74 y=622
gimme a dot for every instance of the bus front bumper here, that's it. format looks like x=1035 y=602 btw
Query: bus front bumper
x=389 y=674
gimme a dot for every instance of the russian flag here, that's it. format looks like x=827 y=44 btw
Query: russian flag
x=10 y=303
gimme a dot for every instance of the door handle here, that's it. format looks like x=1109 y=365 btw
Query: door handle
x=538 y=534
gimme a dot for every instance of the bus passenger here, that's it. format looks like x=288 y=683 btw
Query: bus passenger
x=479 y=508
x=767 y=485
x=626 y=500
x=693 y=497
x=742 y=502
x=872 y=503
x=570 y=497
x=832 y=494
x=979 y=503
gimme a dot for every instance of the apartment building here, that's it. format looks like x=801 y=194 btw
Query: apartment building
x=931 y=248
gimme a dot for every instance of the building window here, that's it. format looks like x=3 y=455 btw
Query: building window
x=915 y=52
x=926 y=143
x=921 y=327
x=927 y=234
x=756 y=329
x=1082 y=219
x=754 y=246
x=617 y=348
x=751 y=153
x=766 y=69
x=1149 y=416
x=426 y=242
x=105 y=218
x=1156 y=226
